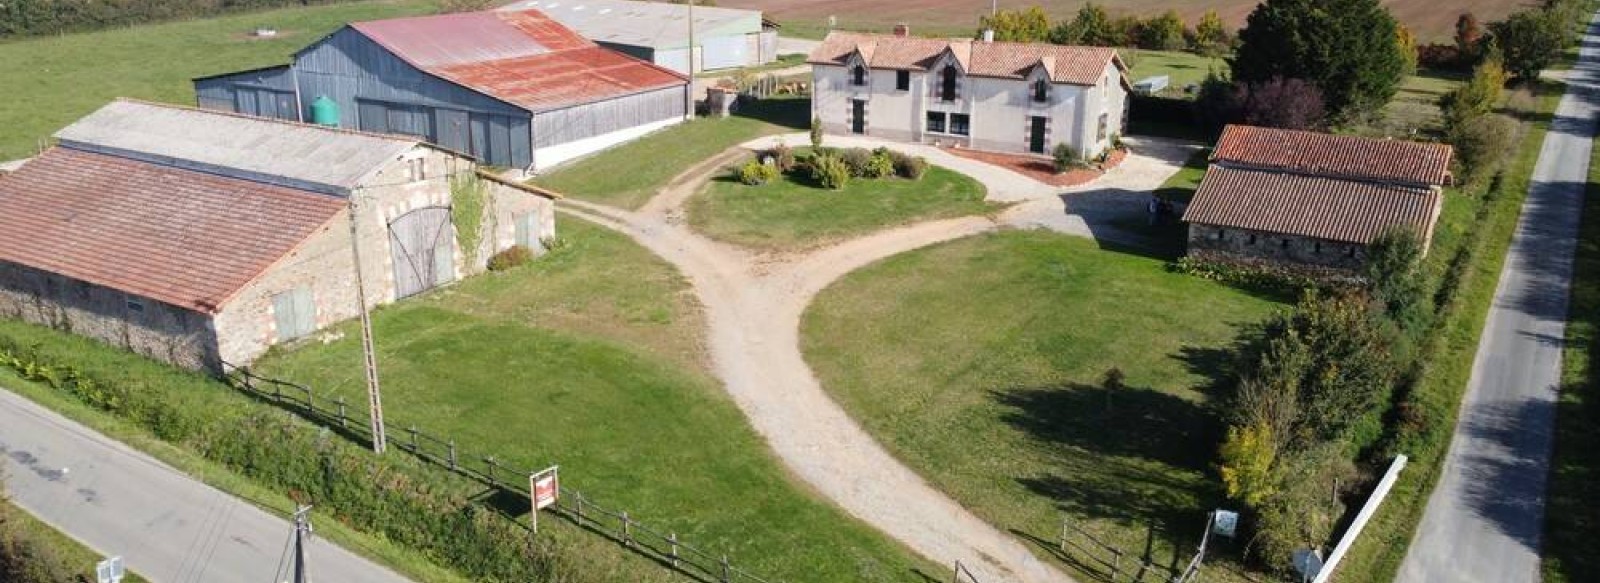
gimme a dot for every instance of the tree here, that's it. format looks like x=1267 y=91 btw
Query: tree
x=1164 y=33
x=1091 y=26
x=1346 y=48
x=1408 y=48
x=1247 y=458
x=1469 y=36
x=1211 y=37
x=1282 y=103
x=1478 y=96
x=1395 y=278
x=816 y=131
x=1482 y=145
x=1031 y=25
x=1529 y=41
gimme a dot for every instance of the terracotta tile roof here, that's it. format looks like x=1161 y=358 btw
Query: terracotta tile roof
x=521 y=57
x=1006 y=60
x=1334 y=156
x=181 y=237
x=1310 y=206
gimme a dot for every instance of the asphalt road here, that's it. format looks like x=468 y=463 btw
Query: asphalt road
x=1485 y=519
x=167 y=526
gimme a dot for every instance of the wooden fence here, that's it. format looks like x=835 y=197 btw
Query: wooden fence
x=334 y=413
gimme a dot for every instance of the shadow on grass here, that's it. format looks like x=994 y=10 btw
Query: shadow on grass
x=1122 y=422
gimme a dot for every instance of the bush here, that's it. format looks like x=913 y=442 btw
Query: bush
x=858 y=160
x=1065 y=157
x=908 y=166
x=1483 y=145
x=816 y=132
x=513 y=256
x=828 y=171
x=880 y=166
x=756 y=173
x=1477 y=97
x=782 y=156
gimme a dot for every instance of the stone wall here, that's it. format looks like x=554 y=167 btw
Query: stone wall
x=161 y=331
x=1207 y=241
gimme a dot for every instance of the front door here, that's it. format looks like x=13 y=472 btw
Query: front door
x=1036 y=134
x=422 y=246
x=858 y=116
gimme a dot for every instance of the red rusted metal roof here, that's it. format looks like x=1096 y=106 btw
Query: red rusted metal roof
x=1334 y=156
x=1006 y=60
x=523 y=58
x=1310 y=206
x=181 y=237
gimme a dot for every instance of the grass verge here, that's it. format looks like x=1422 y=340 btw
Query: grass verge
x=52 y=81
x=34 y=552
x=980 y=362
x=1572 y=521
x=793 y=214
x=628 y=175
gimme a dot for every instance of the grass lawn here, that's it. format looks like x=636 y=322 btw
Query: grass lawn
x=782 y=62
x=50 y=82
x=628 y=175
x=979 y=363
x=1414 y=111
x=792 y=214
x=50 y=547
x=1572 y=522
x=585 y=359
x=1183 y=67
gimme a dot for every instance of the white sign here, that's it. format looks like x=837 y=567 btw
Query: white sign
x=1225 y=523
x=546 y=487
x=109 y=570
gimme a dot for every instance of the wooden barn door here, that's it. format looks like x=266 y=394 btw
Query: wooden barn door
x=423 y=249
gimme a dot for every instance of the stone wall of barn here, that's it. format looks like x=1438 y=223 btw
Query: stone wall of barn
x=161 y=331
x=1208 y=241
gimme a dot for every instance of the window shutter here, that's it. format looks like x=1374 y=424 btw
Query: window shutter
x=294 y=313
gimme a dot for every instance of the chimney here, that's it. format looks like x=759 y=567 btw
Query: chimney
x=902 y=29
x=988 y=35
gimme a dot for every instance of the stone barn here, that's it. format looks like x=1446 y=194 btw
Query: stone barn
x=1312 y=199
x=203 y=238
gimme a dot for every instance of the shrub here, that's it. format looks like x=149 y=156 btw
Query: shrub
x=782 y=156
x=1065 y=157
x=1248 y=454
x=513 y=256
x=880 y=165
x=829 y=171
x=816 y=132
x=756 y=173
x=908 y=166
x=1483 y=145
x=858 y=160
x=1477 y=97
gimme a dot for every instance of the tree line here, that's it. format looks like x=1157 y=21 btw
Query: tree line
x=1092 y=25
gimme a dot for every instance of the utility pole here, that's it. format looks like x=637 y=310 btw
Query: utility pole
x=689 y=107
x=302 y=533
x=368 y=352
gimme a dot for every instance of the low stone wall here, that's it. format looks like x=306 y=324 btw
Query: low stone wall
x=1209 y=241
x=161 y=331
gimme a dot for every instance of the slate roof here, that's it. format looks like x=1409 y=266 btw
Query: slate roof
x=1310 y=206
x=524 y=58
x=1005 y=60
x=292 y=154
x=1335 y=156
x=187 y=238
x=660 y=25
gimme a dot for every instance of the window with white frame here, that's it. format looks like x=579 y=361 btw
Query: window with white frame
x=936 y=122
x=902 y=80
x=956 y=124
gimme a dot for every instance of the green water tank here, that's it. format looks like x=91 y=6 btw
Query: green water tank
x=325 y=111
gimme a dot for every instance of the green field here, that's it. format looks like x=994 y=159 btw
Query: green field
x=628 y=175
x=1184 y=68
x=979 y=363
x=792 y=214
x=589 y=359
x=50 y=82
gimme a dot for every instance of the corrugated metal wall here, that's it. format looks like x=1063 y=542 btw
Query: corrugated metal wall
x=396 y=97
x=724 y=52
x=594 y=119
x=263 y=92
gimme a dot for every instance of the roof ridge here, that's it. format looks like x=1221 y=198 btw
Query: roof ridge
x=291 y=123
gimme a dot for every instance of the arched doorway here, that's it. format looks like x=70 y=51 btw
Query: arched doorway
x=422 y=246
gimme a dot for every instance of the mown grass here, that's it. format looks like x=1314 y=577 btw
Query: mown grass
x=1183 y=68
x=45 y=548
x=589 y=374
x=980 y=362
x=1481 y=228
x=791 y=213
x=52 y=81
x=628 y=175
x=1572 y=521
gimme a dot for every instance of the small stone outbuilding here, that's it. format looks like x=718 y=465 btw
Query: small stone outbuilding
x=1312 y=199
x=202 y=238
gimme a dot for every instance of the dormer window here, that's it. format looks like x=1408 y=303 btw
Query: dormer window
x=947 y=83
x=858 y=75
x=1041 y=91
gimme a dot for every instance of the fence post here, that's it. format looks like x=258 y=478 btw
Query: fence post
x=413 y=431
x=311 y=402
x=277 y=392
x=579 y=496
x=1064 y=534
x=341 y=412
x=1116 y=565
x=490 y=461
x=725 y=569
x=673 y=538
x=452 y=455
x=627 y=533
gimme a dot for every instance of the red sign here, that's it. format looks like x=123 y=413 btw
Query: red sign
x=546 y=487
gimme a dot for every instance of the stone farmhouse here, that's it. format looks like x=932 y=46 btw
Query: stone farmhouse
x=200 y=238
x=997 y=96
x=1310 y=198
x=514 y=89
